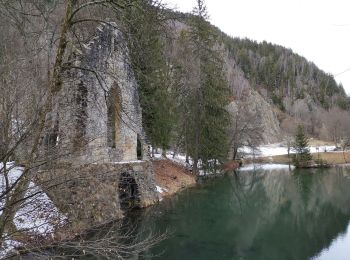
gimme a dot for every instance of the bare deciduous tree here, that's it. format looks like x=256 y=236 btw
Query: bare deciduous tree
x=245 y=129
x=337 y=122
x=39 y=40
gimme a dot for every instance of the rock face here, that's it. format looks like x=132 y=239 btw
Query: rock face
x=96 y=136
x=243 y=93
x=270 y=123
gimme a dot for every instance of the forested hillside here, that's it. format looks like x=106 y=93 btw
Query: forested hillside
x=289 y=89
x=285 y=74
x=301 y=92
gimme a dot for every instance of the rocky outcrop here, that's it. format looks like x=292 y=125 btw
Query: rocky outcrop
x=245 y=96
x=271 y=126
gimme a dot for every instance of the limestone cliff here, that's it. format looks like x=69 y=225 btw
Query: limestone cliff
x=244 y=95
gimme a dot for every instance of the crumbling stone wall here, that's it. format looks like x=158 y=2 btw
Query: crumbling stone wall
x=89 y=194
x=98 y=113
x=96 y=132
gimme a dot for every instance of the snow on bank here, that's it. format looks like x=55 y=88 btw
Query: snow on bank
x=8 y=246
x=37 y=214
x=161 y=190
x=280 y=149
x=14 y=173
x=178 y=158
x=261 y=151
x=273 y=150
x=265 y=167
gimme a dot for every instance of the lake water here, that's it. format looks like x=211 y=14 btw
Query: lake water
x=256 y=214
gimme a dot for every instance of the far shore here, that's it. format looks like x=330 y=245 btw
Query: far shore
x=331 y=158
x=172 y=176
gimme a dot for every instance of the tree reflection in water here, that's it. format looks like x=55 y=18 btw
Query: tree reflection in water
x=274 y=214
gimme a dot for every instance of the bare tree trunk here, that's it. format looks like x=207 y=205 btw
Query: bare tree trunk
x=195 y=166
x=344 y=156
x=196 y=149
x=17 y=195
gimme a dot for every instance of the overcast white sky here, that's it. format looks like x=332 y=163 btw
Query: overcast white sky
x=319 y=30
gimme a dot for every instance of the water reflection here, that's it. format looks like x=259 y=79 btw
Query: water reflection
x=259 y=214
x=339 y=248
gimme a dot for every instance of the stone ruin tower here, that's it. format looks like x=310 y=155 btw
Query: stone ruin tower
x=99 y=115
x=96 y=126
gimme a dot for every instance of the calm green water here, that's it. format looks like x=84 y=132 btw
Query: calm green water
x=261 y=214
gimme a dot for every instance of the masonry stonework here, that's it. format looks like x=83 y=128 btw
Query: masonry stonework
x=99 y=115
x=99 y=134
x=91 y=192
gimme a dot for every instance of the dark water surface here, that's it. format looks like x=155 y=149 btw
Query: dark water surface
x=256 y=214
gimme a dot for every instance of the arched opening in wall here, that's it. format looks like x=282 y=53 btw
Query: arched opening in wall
x=51 y=138
x=139 y=148
x=81 y=99
x=81 y=115
x=114 y=108
x=129 y=195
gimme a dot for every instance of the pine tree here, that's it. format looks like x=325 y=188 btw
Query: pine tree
x=301 y=148
x=209 y=117
x=145 y=30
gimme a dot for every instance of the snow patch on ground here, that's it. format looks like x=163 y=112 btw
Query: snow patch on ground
x=178 y=158
x=8 y=246
x=128 y=162
x=37 y=214
x=266 y=167
x=161 y=190
x=262 y=151
x=14 y=173
x=181 y=159
x=124 y=162
x=280 y=149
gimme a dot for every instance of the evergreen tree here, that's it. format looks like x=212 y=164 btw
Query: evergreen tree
x=209 y=117
x=301 y=148
x=145 y=25
x=186 y=77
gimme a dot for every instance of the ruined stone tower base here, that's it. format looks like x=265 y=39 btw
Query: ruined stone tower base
x=95 y=194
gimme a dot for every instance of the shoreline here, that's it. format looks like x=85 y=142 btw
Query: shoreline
x=331 y=158
x=171 y=177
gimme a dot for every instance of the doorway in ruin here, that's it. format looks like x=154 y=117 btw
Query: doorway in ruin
x=129 y=195
x=114 y=109
x=139 y=148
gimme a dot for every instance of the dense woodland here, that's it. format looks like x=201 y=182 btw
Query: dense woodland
x=180 y=62
x=285 y=74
